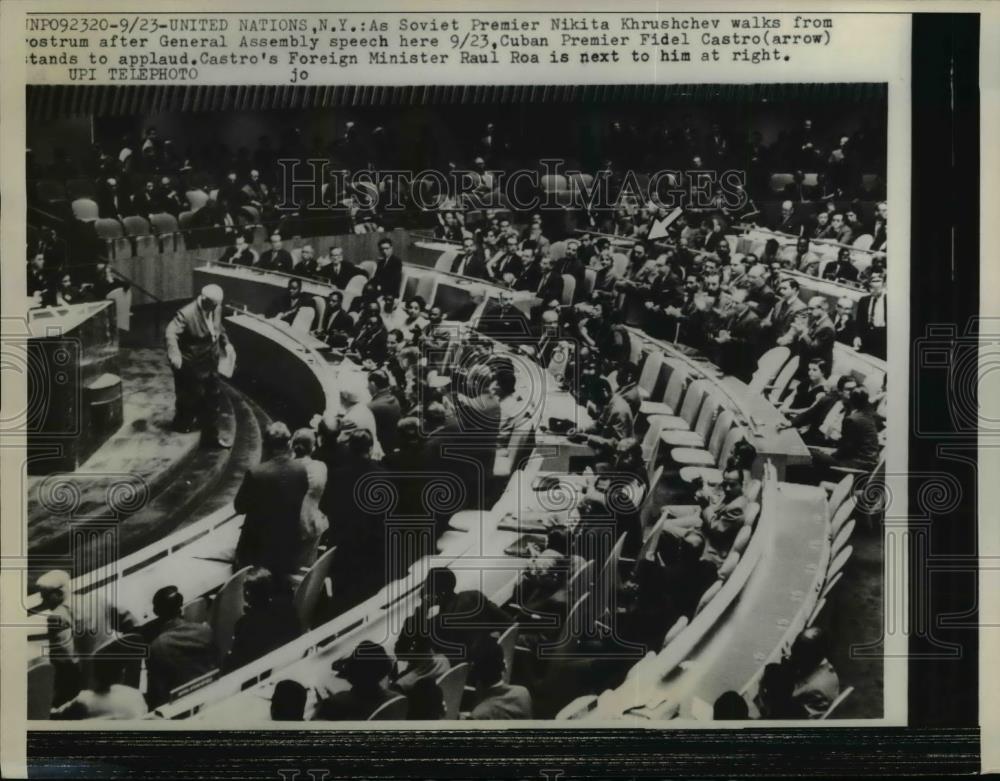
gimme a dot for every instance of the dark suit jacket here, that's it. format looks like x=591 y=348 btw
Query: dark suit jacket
x=501 y=324
x=739 y=355
x=339 y=277
x=276 y=261
x=836 y=270
x=858 y=446
x=271 y=496
x=180 y=652
x=371 y=342
x=472 y=264
x=783 y=313
x=258 y=632
x=351 y=705
x=529 y=277
x=846 y=331
x=816 y=343
x=467 y=618
x=336 y=320
x=388 y=276
x=108 y=208
x=550 y=287
x=385 y=407
x=244 y=258
x=509 y=264
x=863 y=323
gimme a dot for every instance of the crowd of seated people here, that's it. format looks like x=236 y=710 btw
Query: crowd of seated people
x=687 y=286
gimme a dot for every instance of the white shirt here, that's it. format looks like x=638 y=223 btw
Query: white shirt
x=119 y=702
x=833 y=422
x=877 y=311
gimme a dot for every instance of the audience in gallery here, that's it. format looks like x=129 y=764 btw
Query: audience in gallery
x=692 y=283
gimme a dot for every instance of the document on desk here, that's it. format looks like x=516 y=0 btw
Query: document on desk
x=664 y=231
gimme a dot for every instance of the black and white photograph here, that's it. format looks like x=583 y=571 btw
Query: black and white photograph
x=413 y=391
x=567 y=410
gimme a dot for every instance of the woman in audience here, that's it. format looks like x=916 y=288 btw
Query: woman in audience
x=815 y=681
x=288 y=703
x=312 y=521
x=366 y=670
x=108 y=699
x=268 y=621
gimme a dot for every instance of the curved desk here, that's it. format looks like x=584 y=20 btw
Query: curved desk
x=783 y=447
x=473 y=547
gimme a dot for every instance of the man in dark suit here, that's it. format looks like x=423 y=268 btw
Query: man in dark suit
x=385 y=407
x=738 y=338
x=822 y=423
x=335 y=319
x=271 y=497
x=478 y=414
x=111 y=202
x=508 y=267
x=788 y=305
x=288 y=304
x=811 y=335
x=841 y=269
x=357 y=520
x=195 y=340
x=502 y=320
x=872 y=320
x=338 y=272
x=463 y=618
x=531 y=271
x=181 y=651
x=388 y=276
x=371 y=338
x=570 y=263
x=788 y=221
x=276 y=258
x=843 y=321
x=549 y=289
x=858 y=447
x=471 y=261
x=239 y=254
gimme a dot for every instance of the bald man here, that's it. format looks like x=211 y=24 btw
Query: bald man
x=195 y=340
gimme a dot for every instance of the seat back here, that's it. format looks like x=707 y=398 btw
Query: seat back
x=557 y=249
x=568 y=289
x=840 y=492
x=727 y=566
x=750 y=516
x=393 y=710
x=184 y=219
x=108 y=229
x=507 y=642
x=196 y=199
x=41 y=688
x=619 y=265
x=304 y=319
x=652 y=437
x=227 y=608
x=85 y=209
x=589 y=280
x=783 y=379
x=840 y=541
x=648 y=548
x=580 y=583
x=696 y=395
x=310 y=589
x=197 y=610
x=706 y=417
x=578 y=708
x=606 y=585
x=649 y=377
x=708 y=596
x=768 y=366
x=676 y=384
x=845 y=511
x=830 y=585
x=723 y=424
x=135 y=226
x=368 y=266
x=444 y=261
x=679 y=626
x=452 y=685
x=839 y=561
x=752 y=489
x=742 y=538
x=864 y=241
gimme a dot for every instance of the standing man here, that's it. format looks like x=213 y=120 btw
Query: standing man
x=873 y=320
x=388 y=276
x=195 y=340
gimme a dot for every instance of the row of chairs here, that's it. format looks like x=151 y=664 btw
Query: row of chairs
x=779 y=181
